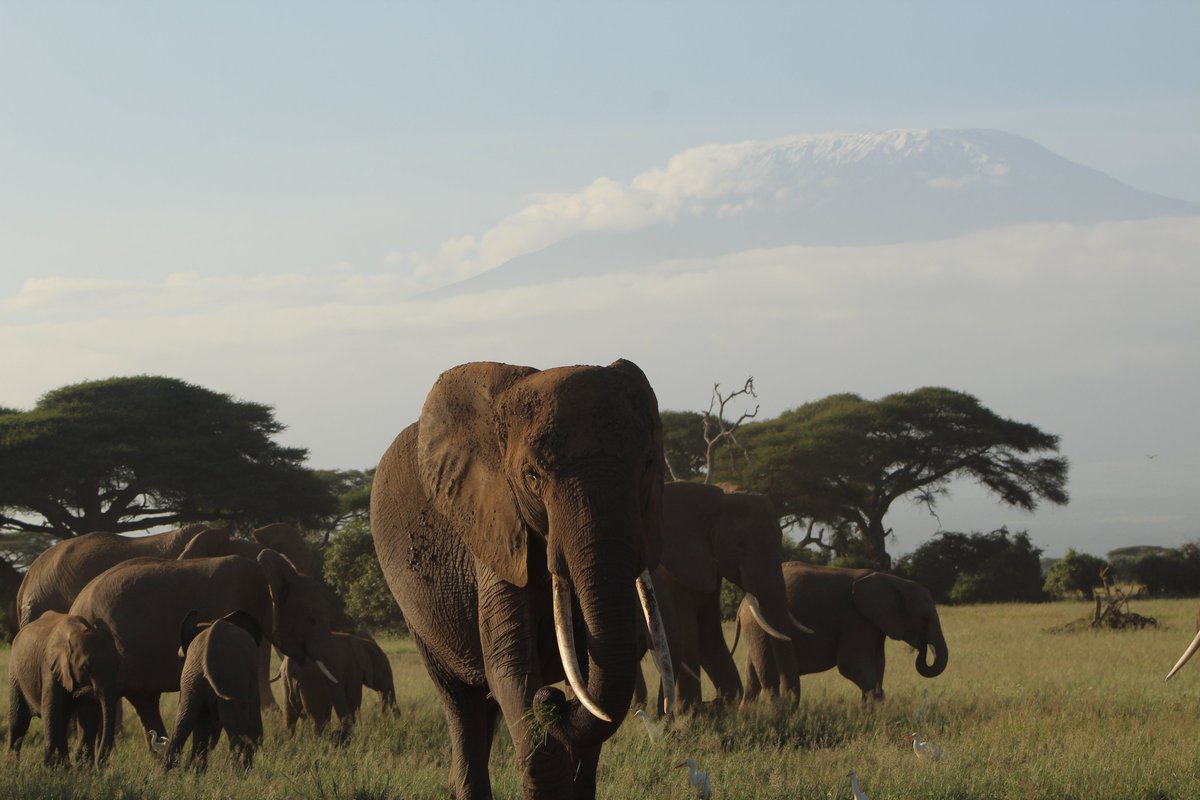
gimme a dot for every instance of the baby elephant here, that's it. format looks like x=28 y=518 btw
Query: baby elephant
x=218 y=689
x=359 y=662
x=60 y=668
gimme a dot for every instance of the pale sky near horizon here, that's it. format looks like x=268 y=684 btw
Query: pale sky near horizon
x=209 y=167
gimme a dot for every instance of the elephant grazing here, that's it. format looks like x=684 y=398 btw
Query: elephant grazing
x=62 y=668
x=218 y=688
x=358 y=661
x=710 y=533
x=850 y=612
x=143 y=601
x=516 y=522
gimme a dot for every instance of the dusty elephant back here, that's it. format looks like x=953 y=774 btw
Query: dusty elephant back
x=59 y=573
x=144 y=601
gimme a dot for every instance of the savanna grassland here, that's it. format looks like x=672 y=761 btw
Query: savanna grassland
x=1022 y=711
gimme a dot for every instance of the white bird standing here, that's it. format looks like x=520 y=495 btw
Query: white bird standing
x=923 y=748
x=158 y=743
x=698 y=779
x=651 y=729
x=859 y=794
x=920 y=715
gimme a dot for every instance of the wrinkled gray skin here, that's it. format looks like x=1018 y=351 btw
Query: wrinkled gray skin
x=850 y=612
x=58 y=574
x=712 y=533
x=143 y=601
x=359 y=662
x=510 y=476
x=61 y=668
x=218 y=689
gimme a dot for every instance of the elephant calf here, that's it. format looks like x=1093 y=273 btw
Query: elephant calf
x=358 y=661
x=64 y=667
x=850 y=612
x=218 y=689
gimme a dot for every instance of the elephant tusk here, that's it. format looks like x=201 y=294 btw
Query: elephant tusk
x=564 y=631
x=325 y=671
x=798 y=624
x=658 y=638
x=756 y=612
x=1183 y=659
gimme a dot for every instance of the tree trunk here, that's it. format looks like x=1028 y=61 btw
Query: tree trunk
x=874 y=535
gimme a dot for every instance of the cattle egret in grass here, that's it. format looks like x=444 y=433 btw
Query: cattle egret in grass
x=859 y=794
x=699 y=780
x=923 y=748
x=920 y=715
x=651 y=729
x=158 y=743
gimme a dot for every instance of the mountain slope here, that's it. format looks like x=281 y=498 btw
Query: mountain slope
x=832 y=189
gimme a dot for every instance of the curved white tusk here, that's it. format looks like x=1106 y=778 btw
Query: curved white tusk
x=689 y=671
x=756 y=612
x=325 y=671
x=564 y=631
x=658 y=637
x=798 y=624
x=1191 y=650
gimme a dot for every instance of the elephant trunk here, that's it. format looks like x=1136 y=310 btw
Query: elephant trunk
x=599 y=560
x=941 y=655
x=109 y=699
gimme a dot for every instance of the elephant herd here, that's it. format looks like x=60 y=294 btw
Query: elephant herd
x=194 y=611
x=525 y=529
x=524 y=526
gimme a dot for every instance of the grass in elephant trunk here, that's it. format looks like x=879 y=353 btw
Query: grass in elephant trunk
x=1021 y=712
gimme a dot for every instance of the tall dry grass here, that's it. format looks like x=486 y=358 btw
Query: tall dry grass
x=1022 y=712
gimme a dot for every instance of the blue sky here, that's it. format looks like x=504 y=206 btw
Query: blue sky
x=244 y=195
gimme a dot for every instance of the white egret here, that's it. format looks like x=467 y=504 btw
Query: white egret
x=651 y=729
x=920 y=715
x=923 y=748
x=859 y=794
x=158 y=743
x=701 y=785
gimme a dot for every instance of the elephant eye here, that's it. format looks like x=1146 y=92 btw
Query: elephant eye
x=532 y=479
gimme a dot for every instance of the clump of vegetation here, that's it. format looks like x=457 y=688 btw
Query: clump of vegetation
x=352 y=570
x=1075 y=575
x=995 y=567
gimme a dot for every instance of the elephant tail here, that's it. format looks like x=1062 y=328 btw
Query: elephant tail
x=737 y=634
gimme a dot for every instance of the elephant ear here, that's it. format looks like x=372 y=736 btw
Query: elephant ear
x=66 y=657
x=189 y=629
x=207 y=543
x=228 y=660
x=655 y=468
x=247 y=623
x=281 y=573
x=460 y=464
x=878 y=598
x=380 y=673
x=362 y=659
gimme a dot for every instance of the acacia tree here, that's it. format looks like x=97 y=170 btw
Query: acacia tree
x=126 y=454
x=844 y=459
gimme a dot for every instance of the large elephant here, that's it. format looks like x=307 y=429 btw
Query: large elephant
x=143 y=601
x=516 y=522
x=850 y=612
x=61 y=668
x=710 y=533
x=359 y=662
x=59 y=573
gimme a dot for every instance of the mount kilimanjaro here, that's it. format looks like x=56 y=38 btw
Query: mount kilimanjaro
x=829 y=190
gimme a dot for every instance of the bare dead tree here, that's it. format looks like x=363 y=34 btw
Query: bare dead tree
x=718 y=431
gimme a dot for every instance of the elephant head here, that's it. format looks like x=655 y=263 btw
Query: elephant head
x=556 y=477
x=282 y=537
x=713 y=533
x=301 y=626
x=903 y=610
x=85 y=661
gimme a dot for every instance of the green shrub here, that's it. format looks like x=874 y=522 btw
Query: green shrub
x=352 y=570
x=1074 y=575
x=995 y=567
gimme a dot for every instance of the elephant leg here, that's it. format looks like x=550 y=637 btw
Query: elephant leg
x=188 y=722
x=19 y=715
x=639 y=689
x=233 y=722
x=787 y=669
x=55 y=716
x=585 y=761
x=202 y=740
x=753 y=686
x=87 y=713
x=714 y=653
x=291 y=709
x=687 y=687
x=146 y=706
x=467 y=719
